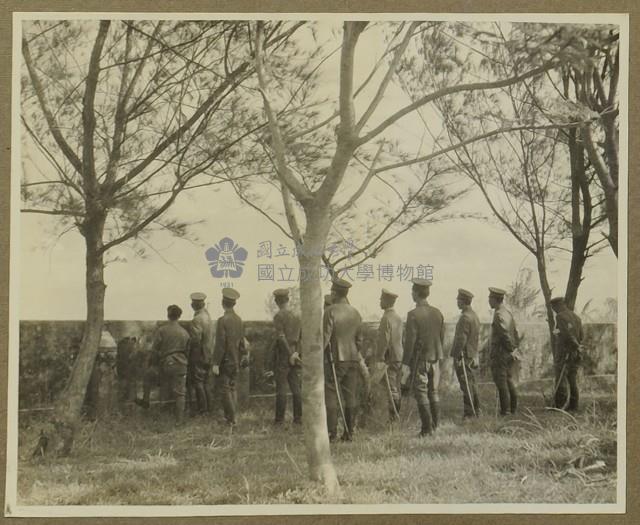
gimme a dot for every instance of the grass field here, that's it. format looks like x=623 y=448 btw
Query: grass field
x=537 y=456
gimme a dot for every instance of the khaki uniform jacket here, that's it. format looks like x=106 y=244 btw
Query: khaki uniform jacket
x=390 y=337
x=570 y=327
x=424 y=333
x=342 y=329
x=229 y=346
x=201 y=346
x=504 y=334
x=465 y=340
x=171 y=340
x=288 y=333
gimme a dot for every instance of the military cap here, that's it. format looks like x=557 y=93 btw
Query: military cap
x=389 y=294
x=496 y=291
x=424 y=283
x=340 y=283
x=557 y=300
x=174 y=310
x=281 y=292
x=198 y=296
x=230 y=293
x=465 y=293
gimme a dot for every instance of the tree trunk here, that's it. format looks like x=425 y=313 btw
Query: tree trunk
x=69 y=406
x=580 y=226
x=546 y=293
x=611 y=205
x=315 y=415
x=607 y=181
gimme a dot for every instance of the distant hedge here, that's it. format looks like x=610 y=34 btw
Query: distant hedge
x=48 y=350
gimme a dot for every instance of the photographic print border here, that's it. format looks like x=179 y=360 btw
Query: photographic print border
x=624 y=472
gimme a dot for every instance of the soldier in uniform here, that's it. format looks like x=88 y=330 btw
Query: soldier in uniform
x=286 y=358
x=569 y=344
x=343 y=338
x=229 y=353
x=169 y=349
x=200 y=350
x=390 y=348
x=424 y=335
x=464 y=352
x=503 y=343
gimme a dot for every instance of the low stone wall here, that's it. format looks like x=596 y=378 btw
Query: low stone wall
x=48 y=350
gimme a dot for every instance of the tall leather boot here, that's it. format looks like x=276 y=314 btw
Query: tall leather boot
x=513 y=397
x=297 y=409
x=201 y=398
x=229 y=408
x=281 y=406
x=435 y=413
x=332 y=422
x=347 y=435
x=425 y=419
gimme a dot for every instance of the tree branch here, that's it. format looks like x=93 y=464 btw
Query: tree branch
x=119 y=118
x=352 y=31
x=463 y=143
x=596 y=159
x=68 y=213
x=282 y=170
x=214 y=97
x=450 y=90
x=134 y=231
x=289 y=210
x=68 y=152
x=88 y=112
x=397 y=56
x=365 y=183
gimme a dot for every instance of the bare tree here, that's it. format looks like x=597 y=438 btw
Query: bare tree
x=596 y=88
x=312 y=204
x=519 y=173
x=128 y=115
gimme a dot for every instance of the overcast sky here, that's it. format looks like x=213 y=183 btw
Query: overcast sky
x=471 y=254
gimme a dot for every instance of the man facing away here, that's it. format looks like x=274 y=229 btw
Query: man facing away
x=343 y=338
x=569 y=345
x=503 y=343
x=169 y=349
x=422 y=354
x=201 y=347
x=390 y=348
x=286 y=363
x=464 y=352
x=229 y=353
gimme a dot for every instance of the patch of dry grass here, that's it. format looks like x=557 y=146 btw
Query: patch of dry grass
x=539 y=456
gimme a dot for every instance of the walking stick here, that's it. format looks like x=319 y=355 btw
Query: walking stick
x=466 y=384
x=335 y=382
x=395 y=410
x=489 y=347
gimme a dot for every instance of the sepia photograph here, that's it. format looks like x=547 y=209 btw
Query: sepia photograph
x=317 y=264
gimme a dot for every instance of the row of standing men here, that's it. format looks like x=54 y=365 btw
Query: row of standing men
x=412 y=353
x=182 y=360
